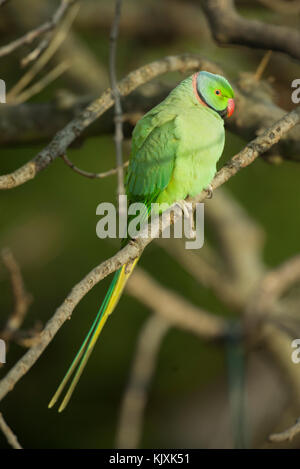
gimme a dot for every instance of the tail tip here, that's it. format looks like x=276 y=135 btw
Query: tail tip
x=61 y=408
x=52 y=402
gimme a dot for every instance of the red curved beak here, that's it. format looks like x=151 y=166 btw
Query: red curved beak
x=230 y=107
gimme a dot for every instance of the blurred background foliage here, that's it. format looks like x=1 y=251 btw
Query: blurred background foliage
x=49 y=224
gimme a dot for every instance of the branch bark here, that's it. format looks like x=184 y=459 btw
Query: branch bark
x=42 y=29
x=136 y=395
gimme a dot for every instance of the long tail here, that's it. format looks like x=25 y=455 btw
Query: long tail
x=110 y=301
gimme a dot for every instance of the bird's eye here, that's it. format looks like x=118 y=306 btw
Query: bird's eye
x=218 y=92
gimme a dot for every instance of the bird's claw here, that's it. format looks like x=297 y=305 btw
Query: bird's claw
x=188 y=213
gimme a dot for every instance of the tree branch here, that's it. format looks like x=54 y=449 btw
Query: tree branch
x=292 y=7
x=286 y=435
x=38 y=122
x=10 y=436
x=135 y=248
x=65 y=137
x=35 y=33
x=42 y=83
x=170 y=305
x=273 y=285
x=59 y=37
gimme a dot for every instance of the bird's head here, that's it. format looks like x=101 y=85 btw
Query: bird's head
x=215 y=92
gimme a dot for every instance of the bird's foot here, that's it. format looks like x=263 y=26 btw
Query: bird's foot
x=188 y=213
x=210 y=191
x=184 y=207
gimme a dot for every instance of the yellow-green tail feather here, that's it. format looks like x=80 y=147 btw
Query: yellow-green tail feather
x=110 y=301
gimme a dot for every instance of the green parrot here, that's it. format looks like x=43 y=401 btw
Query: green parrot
x=175 y=149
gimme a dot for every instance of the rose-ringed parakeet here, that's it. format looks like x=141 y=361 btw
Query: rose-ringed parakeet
x=175 y=149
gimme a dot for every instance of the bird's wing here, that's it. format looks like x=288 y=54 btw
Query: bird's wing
x=154 y=149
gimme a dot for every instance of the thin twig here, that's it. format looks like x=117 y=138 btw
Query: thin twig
x=116 y=96
x=10 y=436
x=57 y=40
x=229 y=27
x=262 y=65
x=135 y=248
x=55 y=73
x=22 y=299
x=35 y=33
x=37 y=52
x=87 y=174
x=292 y=7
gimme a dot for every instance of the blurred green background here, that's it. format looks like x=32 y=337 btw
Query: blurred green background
x=49 y=224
